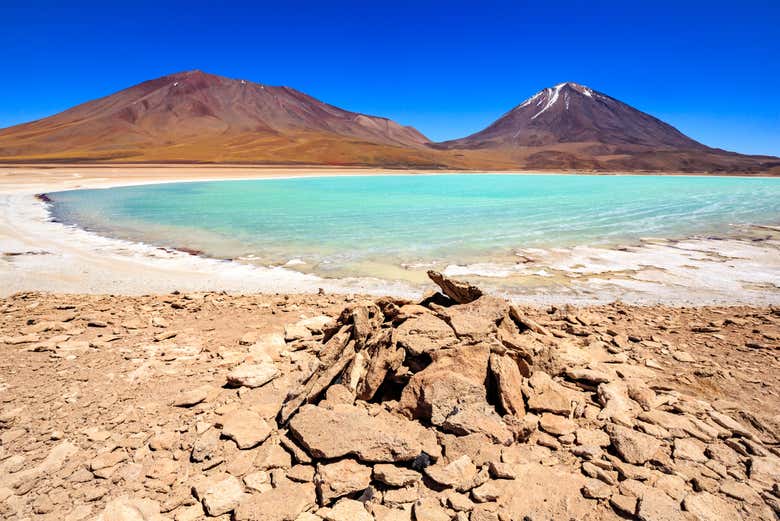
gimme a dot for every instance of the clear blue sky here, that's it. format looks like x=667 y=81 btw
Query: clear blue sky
x=711 y=68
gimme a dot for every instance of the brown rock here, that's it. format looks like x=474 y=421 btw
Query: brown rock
x=384 y=357
x=458 y=291
x=348 y=430
x=708 y=507
x=423 y=334
x=395 y=476
x=338 y=479
x=546 y=395
x=454 y=379
x=654 y=505
x=223 y=496
x=477 y=320
x=348 y=510
x=689 y=449
x=509 y=384
x=459 y=474
x=247 y=428
x=557 y=425
x=481 y=419
x=428 y=509
x=126 y=508
x=634 y=447
x=282 y=503
x=519 y=317
x=252 y=375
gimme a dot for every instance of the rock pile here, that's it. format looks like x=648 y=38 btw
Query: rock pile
x=459 y=406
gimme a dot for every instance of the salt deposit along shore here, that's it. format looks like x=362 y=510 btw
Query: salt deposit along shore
x=37 y=254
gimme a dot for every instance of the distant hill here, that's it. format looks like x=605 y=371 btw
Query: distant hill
x=198 y=117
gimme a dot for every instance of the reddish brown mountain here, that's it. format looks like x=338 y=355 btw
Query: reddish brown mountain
x=202 y=117
x=572 y=126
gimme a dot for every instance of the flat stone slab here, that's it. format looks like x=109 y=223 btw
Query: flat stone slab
x=345 y=430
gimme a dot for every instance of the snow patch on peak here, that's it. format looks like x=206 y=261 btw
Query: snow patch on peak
x=529 y=100
x=552 y=95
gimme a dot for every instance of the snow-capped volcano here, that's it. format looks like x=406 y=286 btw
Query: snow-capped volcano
x=573 y=113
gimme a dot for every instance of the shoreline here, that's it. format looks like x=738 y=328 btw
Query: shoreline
x=41 y=255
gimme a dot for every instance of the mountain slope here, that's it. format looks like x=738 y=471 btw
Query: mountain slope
x=203 y=117
x=571 y=126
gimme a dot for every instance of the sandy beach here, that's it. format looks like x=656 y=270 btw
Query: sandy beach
x=40 y=255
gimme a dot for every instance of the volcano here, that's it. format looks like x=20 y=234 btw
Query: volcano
x=571 y=126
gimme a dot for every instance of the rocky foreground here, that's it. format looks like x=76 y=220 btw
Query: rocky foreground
x=461 y=406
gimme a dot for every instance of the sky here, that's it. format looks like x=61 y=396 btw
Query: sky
x=711 y=69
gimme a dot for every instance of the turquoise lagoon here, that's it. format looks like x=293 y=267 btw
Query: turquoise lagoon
x=392 y=225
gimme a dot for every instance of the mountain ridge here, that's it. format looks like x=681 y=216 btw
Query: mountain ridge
x=197 y=117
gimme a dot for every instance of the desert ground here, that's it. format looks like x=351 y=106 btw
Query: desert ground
x=144 y=403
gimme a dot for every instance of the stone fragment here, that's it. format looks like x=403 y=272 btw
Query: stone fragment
x=594 y=437
x=107 y=460
x=282 y=503
x=206 y=447
x=596 y=489
x=302 y=473
x=394 y=476
x=271 y=455
x=477 y=320
x=478 y=418
x=384 y=358
x=546 y=395
x=458 y=474
x=252 y=375
x=457 y=501
x=655 y=505
x=127 y=508
x=460 y=292
x=429 y=509
x=297 y=331
x=341 y=478
x=485 y=492
x=348 y=510
x=740 y=491
x=557 y=425
x=247 y=428
x=709 y=507
x=258 y=481
x=689 y=449
x=634 y=447
x=673 y=485
x=348 y=430
x=454 y=379
x=623 y=505
x=765 y=471
x=501 y=470
x=509 y=383
x=617 y=406
x=423 y=334
x=190 y=397
x=223 y=496
x=522 y=319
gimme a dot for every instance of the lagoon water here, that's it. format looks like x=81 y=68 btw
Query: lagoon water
x=385 y=225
